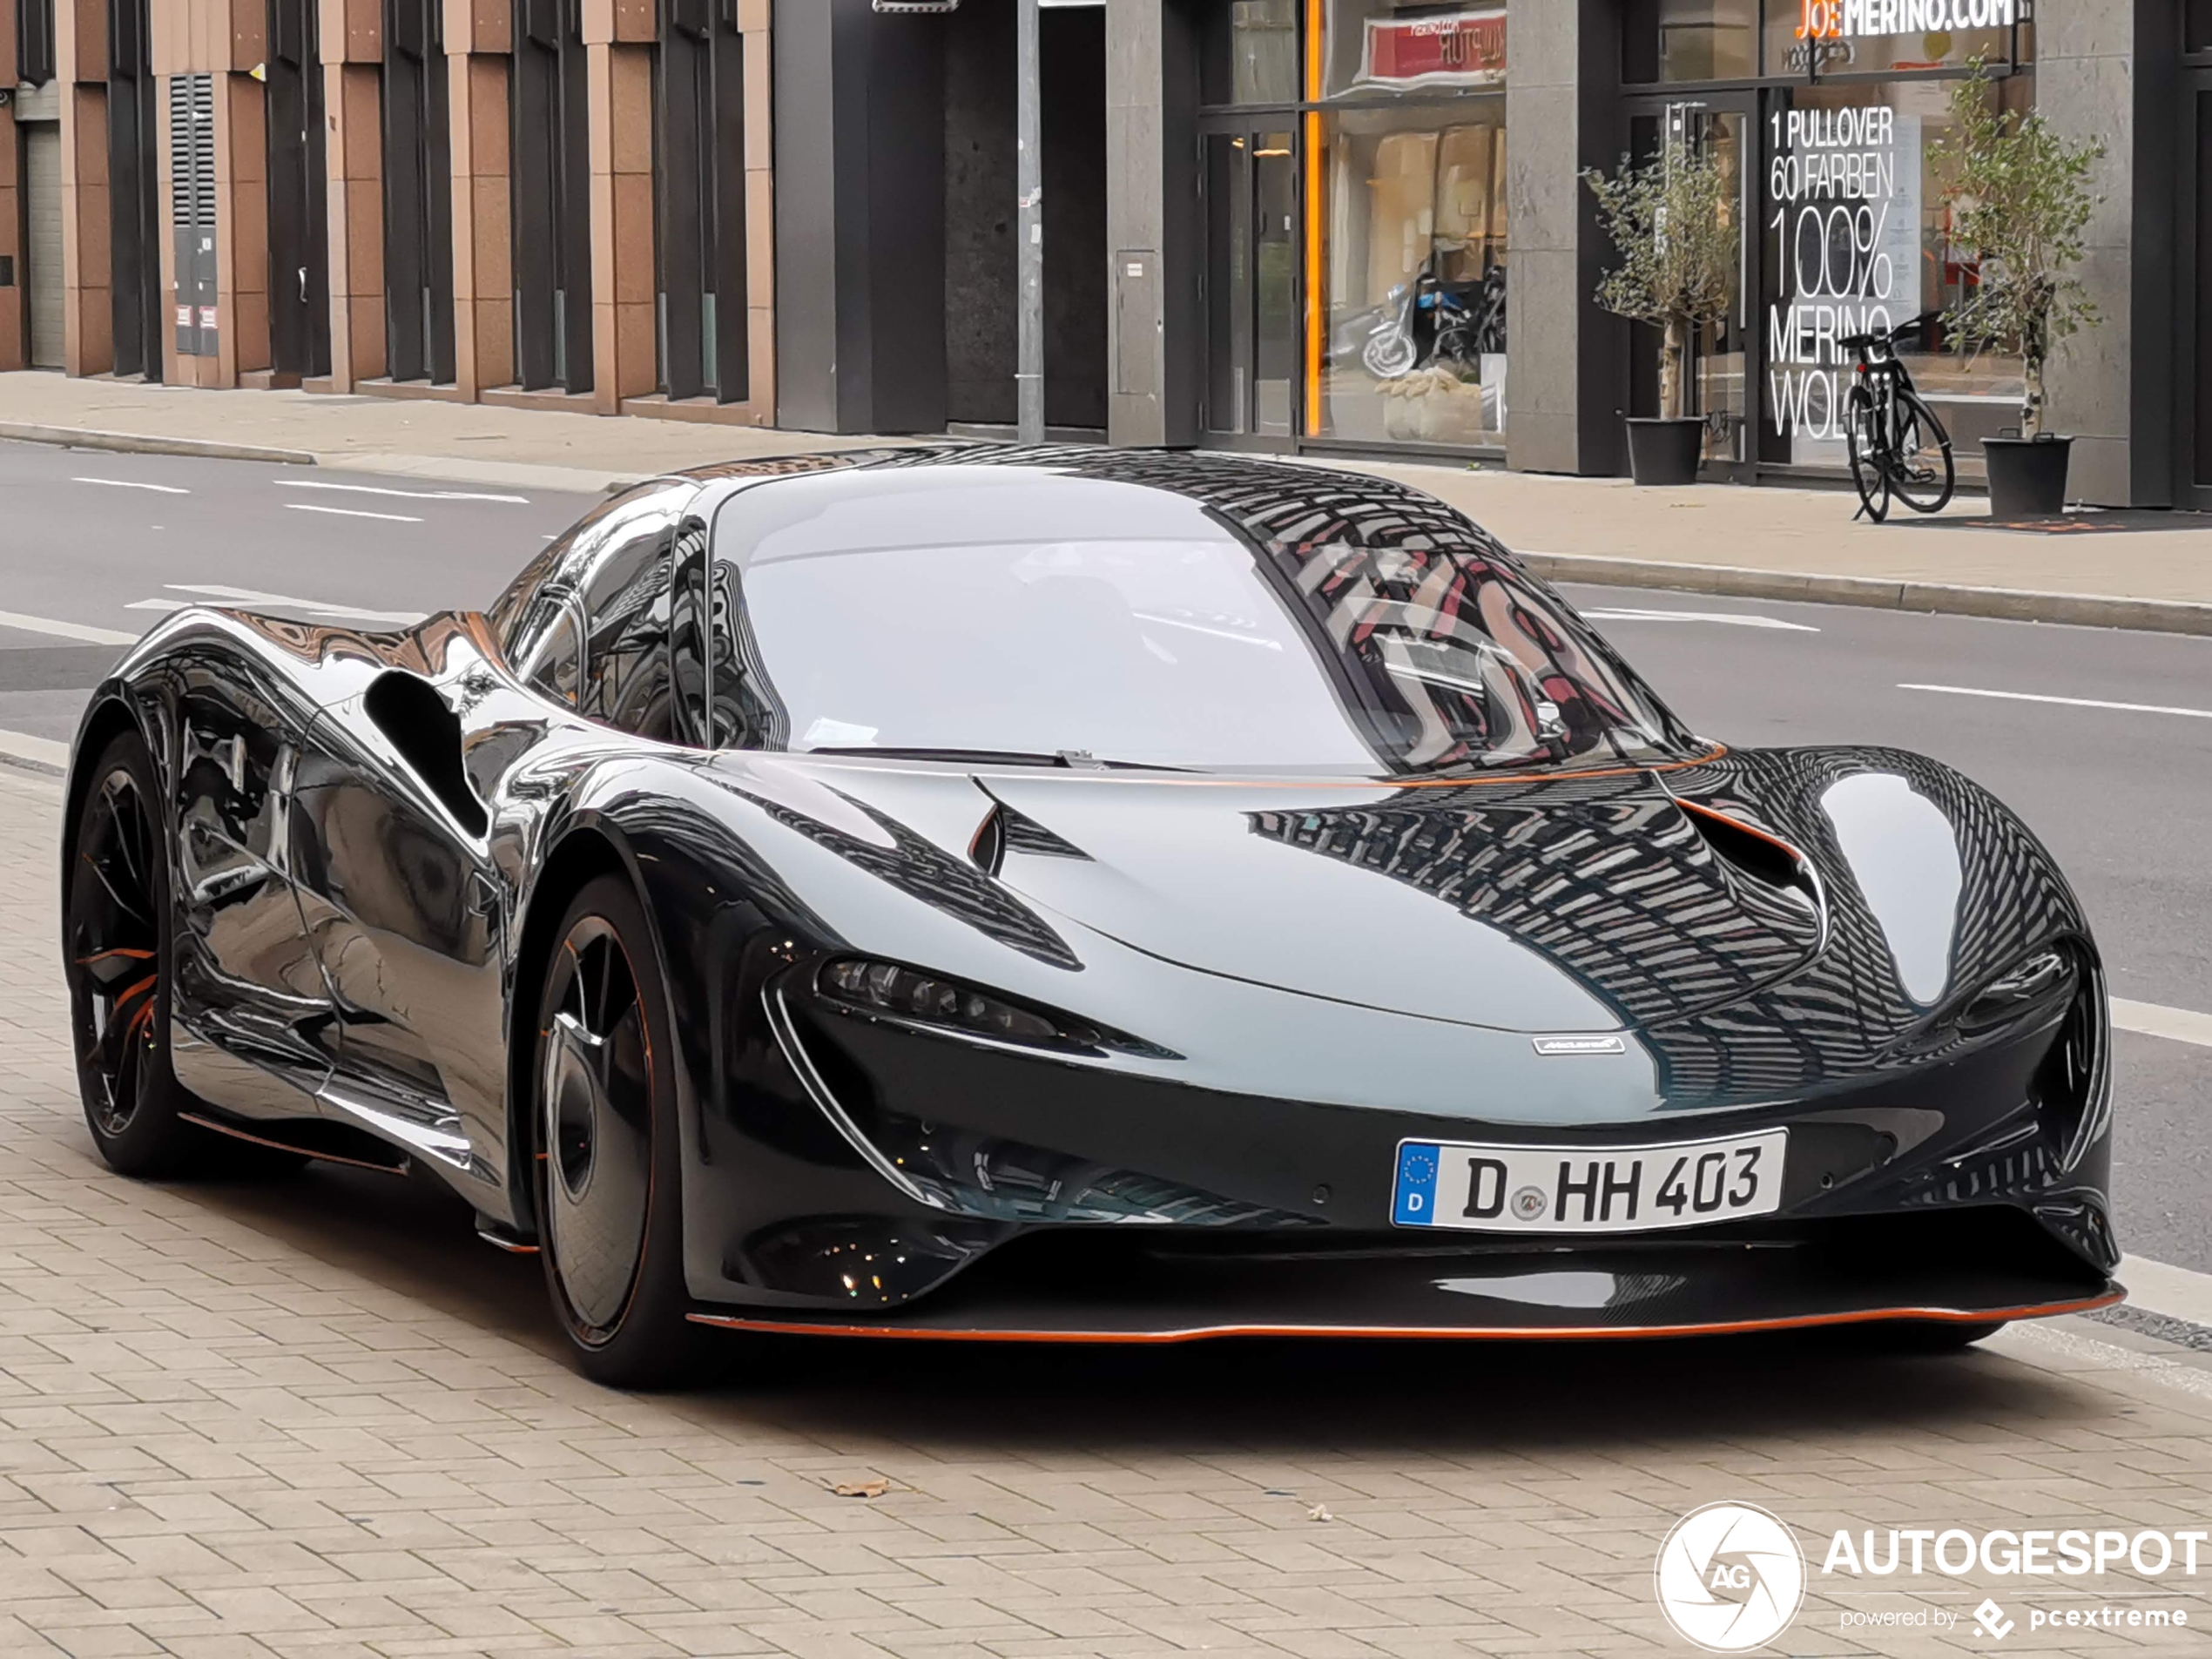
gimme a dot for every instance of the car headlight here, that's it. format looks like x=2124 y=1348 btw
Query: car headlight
x=931 y=1001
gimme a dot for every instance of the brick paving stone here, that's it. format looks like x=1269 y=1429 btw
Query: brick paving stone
x=313 y=1419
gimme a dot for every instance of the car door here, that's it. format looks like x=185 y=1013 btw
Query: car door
x=254 y=1030
x=400 y=877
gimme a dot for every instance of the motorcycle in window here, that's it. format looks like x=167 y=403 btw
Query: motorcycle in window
x=1428 y=319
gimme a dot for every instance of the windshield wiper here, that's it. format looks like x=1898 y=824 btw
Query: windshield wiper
x=1080 y=759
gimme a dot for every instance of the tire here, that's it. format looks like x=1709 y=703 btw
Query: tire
x=608 y=1153
x=117 y=953
x=1867 y=472
x=1924 y=473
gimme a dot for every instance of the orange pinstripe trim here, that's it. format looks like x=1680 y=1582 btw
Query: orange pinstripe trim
x=1488 y=1334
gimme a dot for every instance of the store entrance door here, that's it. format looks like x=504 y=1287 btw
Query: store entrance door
x=1722 y=366
x=1250 y=184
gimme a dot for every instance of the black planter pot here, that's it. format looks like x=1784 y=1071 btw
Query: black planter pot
x=1665 y=451
x=2027 y=477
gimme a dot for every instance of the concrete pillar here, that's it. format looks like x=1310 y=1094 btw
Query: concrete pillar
x=352 y=55
x=755 y=23
x=859 y=223
x=618 y=39
x=80 y=66
x=2099 y=75
x=242 y=219
x=1569 y=373
x=479 y=37
x=15 y=313
x=1156 y=336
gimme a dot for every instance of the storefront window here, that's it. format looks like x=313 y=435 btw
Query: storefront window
x=1415 y=232
x=1708 y=40
x=1251 y=52
x=1856 y=240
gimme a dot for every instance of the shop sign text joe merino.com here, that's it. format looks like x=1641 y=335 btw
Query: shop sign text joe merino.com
x=1855 y=19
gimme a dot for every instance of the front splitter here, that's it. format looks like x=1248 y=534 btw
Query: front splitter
x=915 y=1329
x=1991 y=1268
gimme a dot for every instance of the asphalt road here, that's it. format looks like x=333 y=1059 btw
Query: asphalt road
x=108 y=541
x=2122 y=795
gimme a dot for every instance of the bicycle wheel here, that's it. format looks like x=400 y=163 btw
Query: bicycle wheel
x=1922 y=474
x=1862 y=434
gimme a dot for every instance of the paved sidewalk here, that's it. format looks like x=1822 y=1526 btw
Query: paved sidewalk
x=1769 y=542
x=314 y=1419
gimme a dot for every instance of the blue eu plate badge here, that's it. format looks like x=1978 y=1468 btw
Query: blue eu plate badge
x=1415 y=1205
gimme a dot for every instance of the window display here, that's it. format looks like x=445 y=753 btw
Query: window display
x=1415 y=233
x=1855 y=240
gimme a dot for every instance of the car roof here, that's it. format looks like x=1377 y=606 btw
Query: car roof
x=1279 y=504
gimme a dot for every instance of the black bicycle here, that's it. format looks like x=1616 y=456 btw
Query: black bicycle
x=1898 y=446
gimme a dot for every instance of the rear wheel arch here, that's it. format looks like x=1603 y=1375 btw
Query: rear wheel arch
x=109 y=717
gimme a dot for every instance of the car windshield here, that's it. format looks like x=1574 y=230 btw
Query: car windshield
x=1003 y=609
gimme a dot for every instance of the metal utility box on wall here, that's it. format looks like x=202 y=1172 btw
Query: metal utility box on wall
x=191 y=189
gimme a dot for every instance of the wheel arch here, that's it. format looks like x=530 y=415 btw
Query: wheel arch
x=109 y=715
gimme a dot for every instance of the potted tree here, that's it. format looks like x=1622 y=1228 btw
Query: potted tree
x=1672 y=223
x=2019 y=205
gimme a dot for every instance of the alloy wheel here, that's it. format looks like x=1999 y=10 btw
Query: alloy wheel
x=596 y=1089
x=114 y=950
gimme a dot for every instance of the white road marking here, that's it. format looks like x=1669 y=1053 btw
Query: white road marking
x=2070 y=702
x=1733 y=618
x=412 y=495
x=79 y=630
x=351 y=512
x=2180 y=1025
x=132 y=483
x=254 y=596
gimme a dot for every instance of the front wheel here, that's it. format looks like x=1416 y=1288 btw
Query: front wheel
x=1922 y=475
x=1391 y=354
x=608 y=1161
x=115 y=933
x=1863 y=437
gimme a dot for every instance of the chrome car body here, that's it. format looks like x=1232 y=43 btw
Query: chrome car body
x=983 y=1048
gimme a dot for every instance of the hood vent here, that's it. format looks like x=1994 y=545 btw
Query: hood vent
x=1762 y=857
x=987 y=849
x=1007 y=830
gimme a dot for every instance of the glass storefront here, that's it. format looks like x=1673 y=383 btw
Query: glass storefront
x=1830 y=139
x=1355 y=178
x=1356 y=251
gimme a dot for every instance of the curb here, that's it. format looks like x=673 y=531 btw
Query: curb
x=141 y=444
x=2010 y=605
x=467 y=469
x=21 y=752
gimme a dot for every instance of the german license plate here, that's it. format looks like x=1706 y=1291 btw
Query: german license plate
x=1587 y=1189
